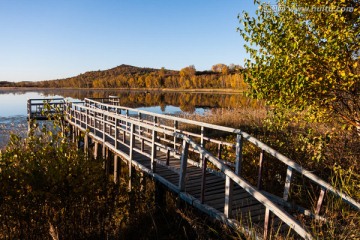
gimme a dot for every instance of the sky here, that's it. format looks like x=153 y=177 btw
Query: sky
x=47 y=39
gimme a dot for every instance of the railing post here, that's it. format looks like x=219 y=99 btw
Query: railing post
x=75 y=115
x=261 y=164
x=140 y=133
x=29 y=109
x=266 y=223
x=153 y=150
x=228 y=197
x=219 y=151
x=131 y=152
x=238 y=160
x=142 y=145
x=132 y=141
x=104 y=127
x=175 y=128
x=95 y=113
x=287 y=183
x=116 y=134
x=155 y=120
x=202 y=145
x=183 y=165
x=320 y=200
x=203 y=178
x=167 y=156
x=140 y=128
x=124 y=135
x=86 y=118
x=104 y=149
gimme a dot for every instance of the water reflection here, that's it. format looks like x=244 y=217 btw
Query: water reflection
x=167 y=101
x=13 y=103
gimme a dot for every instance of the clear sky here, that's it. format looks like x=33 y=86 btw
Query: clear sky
x=47 y=39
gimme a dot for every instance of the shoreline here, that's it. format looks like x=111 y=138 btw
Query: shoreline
x=195 y=90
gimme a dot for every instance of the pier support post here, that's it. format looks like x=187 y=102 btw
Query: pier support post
x=71 y=132
x=109 y=157
x=117 y=169
x=96 y=150
x=105 y=157
x=86 y=145
x=30 y=123
x=131 y=175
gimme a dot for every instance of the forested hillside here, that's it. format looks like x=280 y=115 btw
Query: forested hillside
x=6 y=84
x=126 y=76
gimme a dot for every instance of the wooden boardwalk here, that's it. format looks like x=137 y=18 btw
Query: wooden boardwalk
x=184 y=157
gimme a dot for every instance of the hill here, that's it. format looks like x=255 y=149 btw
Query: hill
x=127 y=76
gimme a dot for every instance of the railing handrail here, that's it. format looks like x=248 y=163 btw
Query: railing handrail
x=256 y=142
x=47 y=99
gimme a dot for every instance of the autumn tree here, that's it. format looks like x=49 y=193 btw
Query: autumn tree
x=186 y=75
x=220 y=67
x=188 y=71
x=305 y=57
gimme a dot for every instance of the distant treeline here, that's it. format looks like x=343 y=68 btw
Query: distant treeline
x=125 y=76
x=7 y=84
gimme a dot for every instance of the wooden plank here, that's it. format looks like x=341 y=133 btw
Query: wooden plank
x=239 y=200
x=209 y=188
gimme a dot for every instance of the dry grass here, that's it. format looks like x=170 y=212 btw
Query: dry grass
x=236 y=118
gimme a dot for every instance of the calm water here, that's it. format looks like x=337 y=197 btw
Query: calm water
x=13 y=104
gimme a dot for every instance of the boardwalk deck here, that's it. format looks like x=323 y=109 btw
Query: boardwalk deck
x=179 y=158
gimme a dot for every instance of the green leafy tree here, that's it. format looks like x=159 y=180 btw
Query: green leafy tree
x=305 y=57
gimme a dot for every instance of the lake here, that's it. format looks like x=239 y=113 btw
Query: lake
x=13 y=103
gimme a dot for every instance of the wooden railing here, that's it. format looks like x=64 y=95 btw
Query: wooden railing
x=113 y=125
x=35 y=107
x=186 y=140
x=291 y=166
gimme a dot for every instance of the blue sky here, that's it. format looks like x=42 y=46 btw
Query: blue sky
x=46 y=39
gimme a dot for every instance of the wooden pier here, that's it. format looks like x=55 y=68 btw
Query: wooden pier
x=184 y=156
